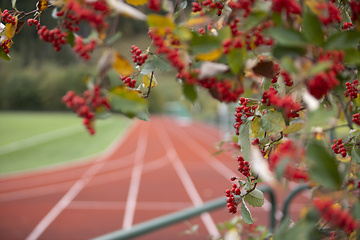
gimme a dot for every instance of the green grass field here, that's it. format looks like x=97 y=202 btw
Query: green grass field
x=36 y=139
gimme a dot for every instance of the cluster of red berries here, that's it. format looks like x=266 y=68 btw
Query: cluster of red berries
x=289 y=150
x=256 y=141
x=128 y=81
x=231 y=43
x=172 y=54
x=7 y=17
x=198 y=7
x=222 y=89
x=232 y=203
x=54 y=36
x=335 y=215
x=338 y=147
x=290 y=6
x=154 y=5
x=356 y=118
x=4 y=45
x=355 y=10
x=352 y=90
x=84 y=50
x=277 y=71
x=243 y=111
x=34 y=22
x=286 y=103
x=93 y=13
x=245 y=5
x=287 y=78
x=331 y=14
x=244 y=166
x=323 y=82
x=138 y=58
x=347 y=25
x=80 y=105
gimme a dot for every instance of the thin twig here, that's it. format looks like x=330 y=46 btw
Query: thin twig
x=31 y=12
x=151 y=79
x=348 y=119
x=114 y=25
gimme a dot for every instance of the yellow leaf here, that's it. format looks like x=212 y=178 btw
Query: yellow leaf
x=10 y=29
x=345 y=159
x=146 y=80
x=293 y=128
x=313 y=5
x=353 y=235
x=42 y=5
x=210 y=56
x=255 y=126
x=197 y=21
x=122 y=66
x=161 y=22
x=136 y=2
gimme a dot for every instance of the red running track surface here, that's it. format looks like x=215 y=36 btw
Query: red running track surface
x=158 y=167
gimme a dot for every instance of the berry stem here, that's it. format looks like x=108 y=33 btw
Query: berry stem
x=151 y=78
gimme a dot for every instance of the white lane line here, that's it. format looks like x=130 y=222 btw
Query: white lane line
x=97 y=180
x=60 y=176
x=211 y=160
x=110 y=205
x=136 y=177
x=79 y=185
x=186 y=181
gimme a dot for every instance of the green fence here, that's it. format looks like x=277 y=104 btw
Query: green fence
x=169 y=219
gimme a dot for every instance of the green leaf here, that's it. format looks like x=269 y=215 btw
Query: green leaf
x=144 y=115
x=279 y=51
x=113 y=39
x=161 y=64
x=255 y=198
x=224 y=33
x=147 y=68
x=272 y=121
x=13 y=4
x=352 y=56
x=255 y=126
x=320 y=116
x=245 y=213
x=288 y=64
x=343 y=40
x=295 y=127
x=254 y=19
x=312 y=29
x=70 y=38
x=287 y=37
x=248 y=186
x=203 y=43
x=236 y=59
x=322 y=165
x=244 y=140
x=127 y=101
x=181 y=7
x=189 y=92
x=355 y=154
x=320 y=67
x=3 y=54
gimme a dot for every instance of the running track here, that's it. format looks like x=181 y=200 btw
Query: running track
x=156 y=168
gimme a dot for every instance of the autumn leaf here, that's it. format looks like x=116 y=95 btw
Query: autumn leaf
x=42 y=5
x=147 y=78
x=161 y=22
x=197 y=21
x=213 y=55
x=136 y=2
x=122 y=66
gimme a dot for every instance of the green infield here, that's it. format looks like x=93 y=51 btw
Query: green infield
x=33 y=139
